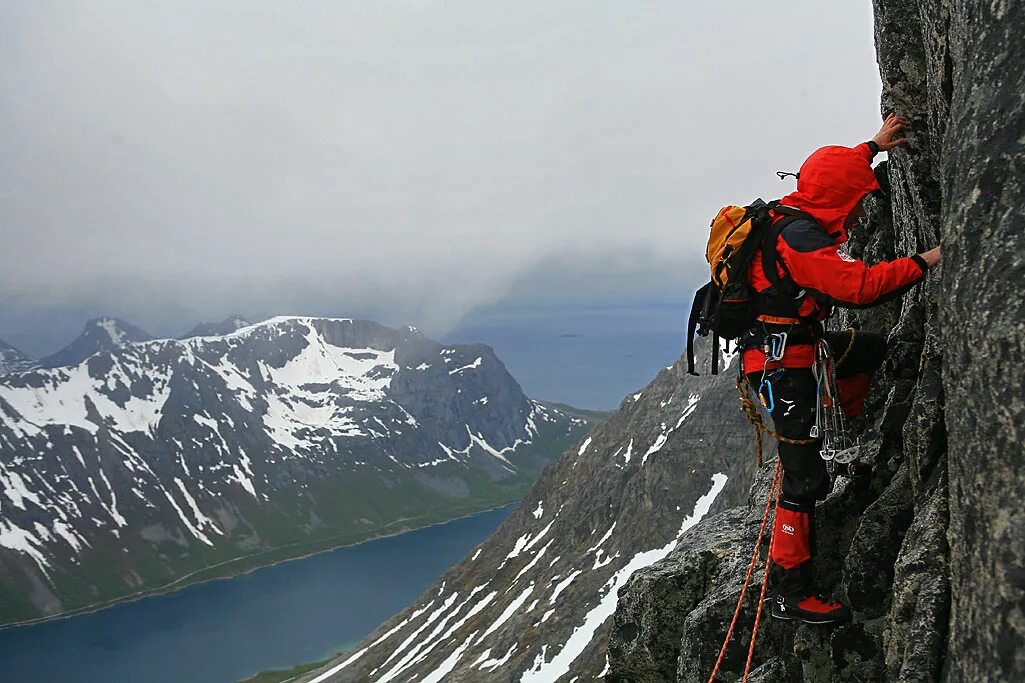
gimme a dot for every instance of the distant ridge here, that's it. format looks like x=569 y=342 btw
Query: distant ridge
x=226 y=326
x=100 y=334
x=150 y=461
x=14 y=360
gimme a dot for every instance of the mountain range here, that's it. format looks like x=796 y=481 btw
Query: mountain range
x=137 y=464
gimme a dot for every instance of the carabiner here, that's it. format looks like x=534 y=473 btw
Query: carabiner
x=774 y=347
x=769 y=405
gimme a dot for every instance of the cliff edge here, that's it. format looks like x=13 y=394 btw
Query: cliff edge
x=930 y=552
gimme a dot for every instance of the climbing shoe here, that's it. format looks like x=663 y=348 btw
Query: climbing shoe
x=814 y=609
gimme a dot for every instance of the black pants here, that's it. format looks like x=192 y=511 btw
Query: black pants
x=805 y=478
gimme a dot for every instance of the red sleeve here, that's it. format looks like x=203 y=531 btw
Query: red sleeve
x=865 y=150
x=846 y=280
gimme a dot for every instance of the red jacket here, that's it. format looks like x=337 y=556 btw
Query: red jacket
x=829 y=186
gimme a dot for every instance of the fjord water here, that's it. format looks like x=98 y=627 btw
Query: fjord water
x=273 y=618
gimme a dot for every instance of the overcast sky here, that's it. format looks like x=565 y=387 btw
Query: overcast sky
x=407 y=160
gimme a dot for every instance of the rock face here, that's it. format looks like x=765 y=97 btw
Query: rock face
x=13 y=360
x=149 y=461
x=534 y=602
x=930 y=553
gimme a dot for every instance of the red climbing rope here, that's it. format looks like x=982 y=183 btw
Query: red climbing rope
x=765 y=582
x=777 y=478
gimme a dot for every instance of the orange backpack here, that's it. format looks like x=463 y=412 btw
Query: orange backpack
x=724 y=306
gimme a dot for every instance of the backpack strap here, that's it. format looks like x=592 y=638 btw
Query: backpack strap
x=758 y=213
x=780 y=286
x=715 y=354
x=697 y=311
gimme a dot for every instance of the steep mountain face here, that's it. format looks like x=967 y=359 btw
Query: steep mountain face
x=226 y=326
x=534 y=602
x=100 y=334
x=153 y=461
x=13 y=360
x=930 y=553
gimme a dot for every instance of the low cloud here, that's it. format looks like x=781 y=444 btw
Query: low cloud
x=402 y=160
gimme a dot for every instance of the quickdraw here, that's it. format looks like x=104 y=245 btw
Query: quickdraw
x=830 y=423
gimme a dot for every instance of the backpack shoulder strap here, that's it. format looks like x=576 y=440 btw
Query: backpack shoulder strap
x=770 y=254
x=696 y=311
x=715 y=353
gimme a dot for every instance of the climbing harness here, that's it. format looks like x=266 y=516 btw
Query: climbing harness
x=774 y=492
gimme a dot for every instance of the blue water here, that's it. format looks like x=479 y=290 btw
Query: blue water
x=222 y=631
x=588 y=357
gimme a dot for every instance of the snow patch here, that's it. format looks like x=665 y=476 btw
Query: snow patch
x=603 y=538
x=446 y=666
x=545 y=671
x=509 y=611
x=493 y=664
x=16 y=538
x=472 y=366
x=583 y=446
x=338 y=667
x=692 y=403
x=655 y=447
x=562 y=585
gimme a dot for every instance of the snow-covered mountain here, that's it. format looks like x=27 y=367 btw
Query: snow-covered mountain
x=100 y=334
x=152 y=460
x=13 y=360
x=534 y=603
x=226 y=326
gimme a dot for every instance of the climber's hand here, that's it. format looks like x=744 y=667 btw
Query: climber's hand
x=891 y=127
x=931 y=257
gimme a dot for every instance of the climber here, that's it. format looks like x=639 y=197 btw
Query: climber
x=831 y=185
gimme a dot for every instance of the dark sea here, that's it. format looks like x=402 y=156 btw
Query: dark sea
x=274 y=618
x=587 y=356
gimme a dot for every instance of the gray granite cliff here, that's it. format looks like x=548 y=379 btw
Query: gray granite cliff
x=931 y=553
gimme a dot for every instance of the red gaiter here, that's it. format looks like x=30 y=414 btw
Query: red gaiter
x=790 y=538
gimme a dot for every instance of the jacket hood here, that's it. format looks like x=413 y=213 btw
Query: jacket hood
x=830 y=184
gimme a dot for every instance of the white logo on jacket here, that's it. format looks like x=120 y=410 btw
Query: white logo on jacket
x=787 y=529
